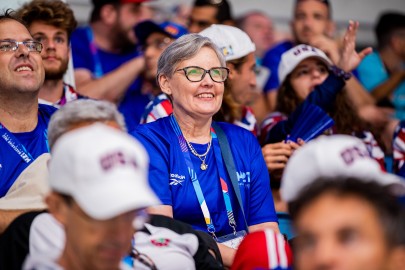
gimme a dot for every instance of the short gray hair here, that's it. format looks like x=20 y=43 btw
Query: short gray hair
x=81 y=111
x=184 y=48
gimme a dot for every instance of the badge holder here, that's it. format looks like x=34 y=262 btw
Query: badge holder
x=232 y=240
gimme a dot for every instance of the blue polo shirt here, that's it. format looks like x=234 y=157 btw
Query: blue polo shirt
x=12 y=162
x=170 y=179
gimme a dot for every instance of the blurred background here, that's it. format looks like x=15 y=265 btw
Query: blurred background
x=365 y=11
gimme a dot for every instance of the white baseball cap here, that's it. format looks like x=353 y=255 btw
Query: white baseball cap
x=231 y=41
x=291 y=58
x=105 y=170
x=330 y=157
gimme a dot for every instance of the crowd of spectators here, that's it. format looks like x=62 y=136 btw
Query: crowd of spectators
x=198 y=140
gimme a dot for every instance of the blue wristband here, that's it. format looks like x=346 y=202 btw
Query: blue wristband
x=341 y=73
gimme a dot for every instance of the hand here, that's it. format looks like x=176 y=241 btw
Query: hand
x=349 y=58
x=276 y=155
x=328 y=45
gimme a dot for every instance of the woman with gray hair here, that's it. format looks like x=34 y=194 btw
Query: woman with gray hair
x=192 y=156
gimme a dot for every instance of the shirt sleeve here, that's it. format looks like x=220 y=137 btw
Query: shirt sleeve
x=81 y=54
x=271 y=61
x=158 y=151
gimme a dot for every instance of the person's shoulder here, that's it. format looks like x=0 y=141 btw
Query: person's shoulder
x=79 y=33
x=157 y=108
x=20 y=226
x=371 y=61
x=269 y=122
x=160 y=128
x=40 y=263
x=233 y=131
x=46 y=110
x=279 y=49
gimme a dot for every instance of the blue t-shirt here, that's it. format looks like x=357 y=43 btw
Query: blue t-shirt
x=133 y=102
x=169 y=177
x=372 y=73
x=271 y=60
x=35 y=142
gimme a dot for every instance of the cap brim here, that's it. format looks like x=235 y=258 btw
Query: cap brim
x=395 y=183
x=291 y=68
x=123 y=195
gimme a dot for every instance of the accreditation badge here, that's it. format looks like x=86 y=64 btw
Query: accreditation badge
x=232 y=240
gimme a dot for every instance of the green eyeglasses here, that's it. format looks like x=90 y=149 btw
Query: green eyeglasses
x=12 y=45
x=197 y=74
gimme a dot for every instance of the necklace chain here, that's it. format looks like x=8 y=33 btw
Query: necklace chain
x=202 y=157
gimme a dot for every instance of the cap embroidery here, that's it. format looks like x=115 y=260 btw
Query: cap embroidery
x=160 y=242
x=172 y=30
x=111 y=160
x=227 y=50
x=304 y=48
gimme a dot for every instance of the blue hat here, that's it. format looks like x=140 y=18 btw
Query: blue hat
x=144 y=29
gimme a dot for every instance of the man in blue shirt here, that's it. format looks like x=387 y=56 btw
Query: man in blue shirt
x=106 y=61
x=23 y=123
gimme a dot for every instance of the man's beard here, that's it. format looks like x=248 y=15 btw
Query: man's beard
x=57 y=74
x=121 y=39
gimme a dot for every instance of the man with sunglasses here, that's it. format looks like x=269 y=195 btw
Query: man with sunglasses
x=154 y=38
x=23 y=123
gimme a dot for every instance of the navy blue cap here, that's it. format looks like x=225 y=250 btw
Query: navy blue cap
x=144 y=29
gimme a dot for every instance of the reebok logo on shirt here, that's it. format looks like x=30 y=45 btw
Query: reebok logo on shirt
x=176 y=179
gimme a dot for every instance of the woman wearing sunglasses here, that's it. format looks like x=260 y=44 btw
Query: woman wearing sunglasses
x=191 y=154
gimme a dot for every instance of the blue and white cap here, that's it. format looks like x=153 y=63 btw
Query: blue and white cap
x=291 y=59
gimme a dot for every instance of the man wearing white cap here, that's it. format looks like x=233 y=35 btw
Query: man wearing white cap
x=344 y=208
x=98 y=178
x=239 y=51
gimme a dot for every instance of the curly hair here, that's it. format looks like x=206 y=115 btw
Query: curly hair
x=51 y=12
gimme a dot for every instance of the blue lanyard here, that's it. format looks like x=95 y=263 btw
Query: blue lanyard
x=98 y=69
x=15 y=144
x=196 y=183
